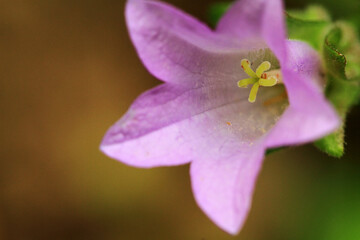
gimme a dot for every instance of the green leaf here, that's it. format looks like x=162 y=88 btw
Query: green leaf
x=350 y=45
x=333 y=144
x=335 y=61
x=341 y=91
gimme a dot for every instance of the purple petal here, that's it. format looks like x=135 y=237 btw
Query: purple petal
x=172 y=125
x=224 y=171
x=200 y=115
x=310 y=116
x=156 y=131
x=217 y=129
x=260 y=20
x=179 y=49
x=223 y=185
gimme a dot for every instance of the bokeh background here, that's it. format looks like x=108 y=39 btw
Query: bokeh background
x=67 y=72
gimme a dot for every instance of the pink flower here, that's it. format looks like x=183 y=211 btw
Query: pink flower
x=201 y=116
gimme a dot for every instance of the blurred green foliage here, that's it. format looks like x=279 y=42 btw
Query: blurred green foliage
x=307 y=29
x=340 y=90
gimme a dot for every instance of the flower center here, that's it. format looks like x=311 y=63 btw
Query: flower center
x=262 y=77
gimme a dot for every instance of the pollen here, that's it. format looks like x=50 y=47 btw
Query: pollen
x=261 y=77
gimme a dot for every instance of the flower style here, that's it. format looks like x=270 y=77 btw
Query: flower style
x=201 y=116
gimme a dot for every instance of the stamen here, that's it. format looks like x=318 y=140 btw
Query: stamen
x=274 y=74
x=260 y=78
x=245 y=82
x=253 y=92
x=265 y=66
x=268 y=82
x=245 y=64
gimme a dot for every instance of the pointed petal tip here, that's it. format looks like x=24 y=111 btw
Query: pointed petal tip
x=232 y=229
x=109 y=151
x=230 y=225
x=223 y=186
x=145 y=151
x=116 y=153
x=309 y=128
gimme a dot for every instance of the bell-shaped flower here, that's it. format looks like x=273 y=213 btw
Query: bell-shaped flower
x=202 y=114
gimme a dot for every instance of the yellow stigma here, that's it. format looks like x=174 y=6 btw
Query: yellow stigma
x=262 y=77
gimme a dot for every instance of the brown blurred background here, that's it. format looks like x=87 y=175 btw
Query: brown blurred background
x=67 y=72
